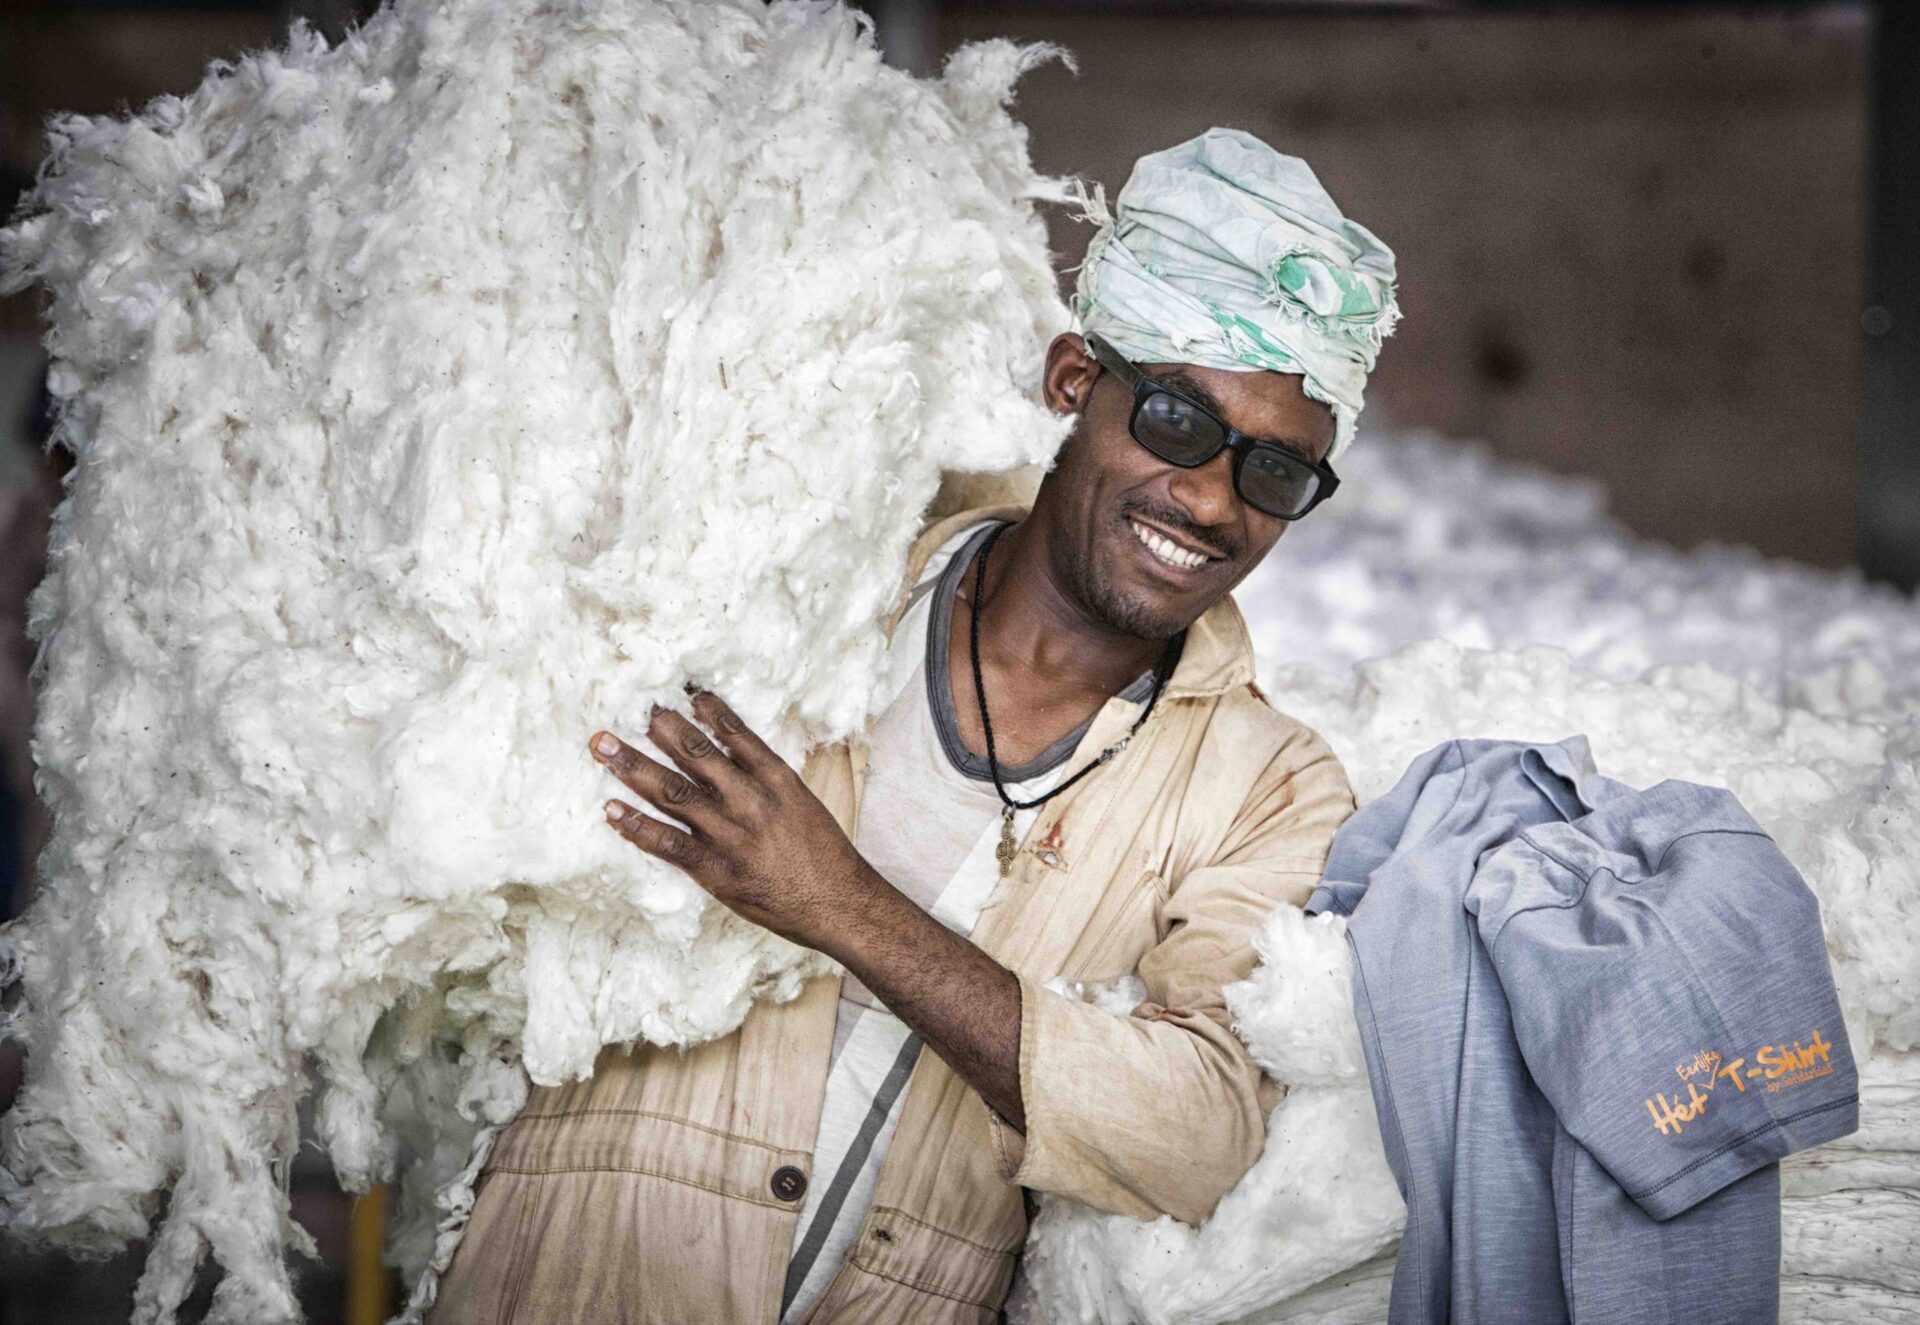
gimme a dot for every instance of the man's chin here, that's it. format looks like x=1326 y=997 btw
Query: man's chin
x=1140 y=616
x=1110 y=592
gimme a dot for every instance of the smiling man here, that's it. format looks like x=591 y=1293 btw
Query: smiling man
x=1074 y=779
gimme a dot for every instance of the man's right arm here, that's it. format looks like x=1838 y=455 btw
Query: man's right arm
x=1160 y=1112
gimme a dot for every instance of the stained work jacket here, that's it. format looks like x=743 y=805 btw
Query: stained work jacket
x=667 y=1187
x=1595 y=1019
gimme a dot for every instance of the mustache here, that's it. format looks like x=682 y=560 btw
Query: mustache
x=1176 y=520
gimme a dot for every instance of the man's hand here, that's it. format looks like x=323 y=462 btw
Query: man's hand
x=760 y=840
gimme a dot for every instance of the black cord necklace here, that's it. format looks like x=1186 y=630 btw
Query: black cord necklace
x=1005 y=852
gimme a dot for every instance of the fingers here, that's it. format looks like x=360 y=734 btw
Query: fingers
x=693 y=750
x=715 y=792
x=664 y=841
x=671 y=792
x=743 y=745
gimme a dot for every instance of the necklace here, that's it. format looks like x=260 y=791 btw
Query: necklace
x=1005 y=852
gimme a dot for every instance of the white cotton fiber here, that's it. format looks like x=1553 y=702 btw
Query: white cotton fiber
x=1794 y=688
x=439 y=398
x=1294 y=1012
x=1320 y=1188
x=1432 y=538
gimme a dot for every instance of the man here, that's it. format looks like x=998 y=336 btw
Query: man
x=1075 y=778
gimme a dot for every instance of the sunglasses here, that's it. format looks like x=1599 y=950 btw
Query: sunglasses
x=1267 y=477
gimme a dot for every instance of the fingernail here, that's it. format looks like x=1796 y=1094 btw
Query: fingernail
x=604 y=744
x=615 y=812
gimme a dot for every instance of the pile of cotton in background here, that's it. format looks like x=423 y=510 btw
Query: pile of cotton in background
x=1446 y=594
x=439 y=398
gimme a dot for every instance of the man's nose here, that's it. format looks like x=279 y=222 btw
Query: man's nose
x=1207 y=490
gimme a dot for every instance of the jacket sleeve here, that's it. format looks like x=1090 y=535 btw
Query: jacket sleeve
x=1161 y=1112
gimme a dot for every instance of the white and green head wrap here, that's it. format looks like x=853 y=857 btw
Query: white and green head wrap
x=1227 y=254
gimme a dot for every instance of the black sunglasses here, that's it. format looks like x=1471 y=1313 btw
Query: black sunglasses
x=1267 y=477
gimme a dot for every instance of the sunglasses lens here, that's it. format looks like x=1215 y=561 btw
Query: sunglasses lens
x=1277 y=483
x=1176 y=431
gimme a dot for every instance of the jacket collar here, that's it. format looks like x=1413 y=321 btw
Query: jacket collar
x=1218 y=655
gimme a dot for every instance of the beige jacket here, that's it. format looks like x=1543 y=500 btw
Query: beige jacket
x=667 y=1188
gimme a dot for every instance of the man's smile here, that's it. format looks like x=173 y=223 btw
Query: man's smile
x=1168 y=551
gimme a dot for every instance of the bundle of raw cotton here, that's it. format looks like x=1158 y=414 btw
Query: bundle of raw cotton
x=439 y=398
x=1318 y=1200
x=1795 y=713
x=1443 y=541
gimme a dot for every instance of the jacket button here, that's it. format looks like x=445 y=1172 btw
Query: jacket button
x=789 y=1183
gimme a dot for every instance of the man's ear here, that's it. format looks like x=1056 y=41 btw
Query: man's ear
x=1070 y=374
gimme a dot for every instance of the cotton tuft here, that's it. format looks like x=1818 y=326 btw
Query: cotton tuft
x=438 y=398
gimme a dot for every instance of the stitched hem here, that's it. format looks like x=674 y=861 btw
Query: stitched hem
x=648 y=1173
x=1573 y=1235
x=660 y=1117
x=521 y=1268
x=1563 y=904
x=1030 y=1103
x=895 y=1212
x=921 y=1286
x=1526 y=835
x=1738 y=1141
x=1003 y=1159
x=1391 y=1132
x=1731 y=832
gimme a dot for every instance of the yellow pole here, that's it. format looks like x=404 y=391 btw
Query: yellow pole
x=369 y=1298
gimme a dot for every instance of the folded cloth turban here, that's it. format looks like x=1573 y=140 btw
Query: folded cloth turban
x=1227 y=254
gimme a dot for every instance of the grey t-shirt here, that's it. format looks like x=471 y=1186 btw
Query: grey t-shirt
x=1594 y=1018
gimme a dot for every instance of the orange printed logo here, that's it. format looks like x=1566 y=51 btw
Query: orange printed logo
x=1791 y=1067
x=1671 y=1116
x=1781 y=1067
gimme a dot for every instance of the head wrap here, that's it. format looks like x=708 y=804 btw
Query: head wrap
x=1227 y=254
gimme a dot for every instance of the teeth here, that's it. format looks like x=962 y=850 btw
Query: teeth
x=1166 y=549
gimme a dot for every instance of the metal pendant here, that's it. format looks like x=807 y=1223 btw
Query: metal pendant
x=1004 y=852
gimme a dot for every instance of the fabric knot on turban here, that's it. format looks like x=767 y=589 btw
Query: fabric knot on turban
x=1227 y=254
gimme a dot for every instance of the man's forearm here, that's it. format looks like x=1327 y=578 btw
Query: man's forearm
x=955 y=997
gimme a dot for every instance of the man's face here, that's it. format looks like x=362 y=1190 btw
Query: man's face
x=1108 y=498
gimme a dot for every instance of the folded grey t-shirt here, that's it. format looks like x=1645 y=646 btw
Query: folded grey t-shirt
x=1595 y=1018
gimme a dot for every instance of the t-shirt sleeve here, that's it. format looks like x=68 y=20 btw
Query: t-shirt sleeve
x=1678 y=1011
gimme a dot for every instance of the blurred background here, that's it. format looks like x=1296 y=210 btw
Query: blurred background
x=1674 y=249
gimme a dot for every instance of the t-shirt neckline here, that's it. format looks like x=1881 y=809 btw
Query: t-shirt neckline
x=940 y=688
